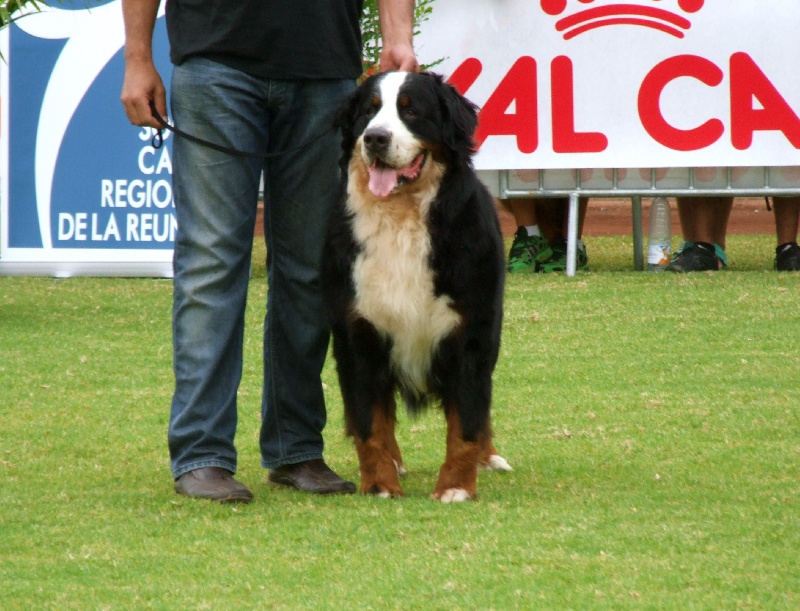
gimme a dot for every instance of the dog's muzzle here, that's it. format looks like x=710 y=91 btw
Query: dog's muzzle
x=384 y=177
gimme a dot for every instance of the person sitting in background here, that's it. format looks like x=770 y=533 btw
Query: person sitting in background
x=540 y=243
x=704 y=224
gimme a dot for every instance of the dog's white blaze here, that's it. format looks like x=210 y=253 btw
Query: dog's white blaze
x=394 y=285
x=404 y=147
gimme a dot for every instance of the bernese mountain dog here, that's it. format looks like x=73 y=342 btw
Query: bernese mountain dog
x=412 y=277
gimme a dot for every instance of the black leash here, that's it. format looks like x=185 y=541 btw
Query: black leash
x=158 y=139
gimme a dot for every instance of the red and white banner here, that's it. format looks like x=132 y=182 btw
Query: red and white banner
x=646 y=83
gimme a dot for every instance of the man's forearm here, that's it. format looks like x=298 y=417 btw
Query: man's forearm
x=140 y=20
x=397 y=21
x=397 y=32
x=142 y=85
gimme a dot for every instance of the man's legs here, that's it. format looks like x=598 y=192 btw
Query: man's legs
x=215 y=198
x=300 y=189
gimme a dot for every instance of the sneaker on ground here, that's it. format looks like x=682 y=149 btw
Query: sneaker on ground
x=723 y=258
x=697 y=257
x=558 y=262
x=787 y=257
x=526 y=251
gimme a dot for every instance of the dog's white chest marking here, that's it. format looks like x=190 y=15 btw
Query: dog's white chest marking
x=394 y=284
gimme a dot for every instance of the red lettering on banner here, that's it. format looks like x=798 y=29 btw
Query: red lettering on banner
x=519 y=87
x=565 y=138
x=654 y=122
x=466 y=74
x=748 y=82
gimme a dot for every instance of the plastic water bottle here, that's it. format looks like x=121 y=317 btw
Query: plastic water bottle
x=659 y=240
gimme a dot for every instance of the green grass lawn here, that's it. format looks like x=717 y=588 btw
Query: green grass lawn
x=652 y=421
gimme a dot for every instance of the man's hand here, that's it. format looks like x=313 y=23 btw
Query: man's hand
x=142 y=84
x=399 y=57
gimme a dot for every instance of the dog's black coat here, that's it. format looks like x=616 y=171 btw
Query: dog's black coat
x=466 y=260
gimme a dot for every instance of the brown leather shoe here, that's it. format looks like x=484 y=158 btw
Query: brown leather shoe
x=214 y=484
x=311 y=476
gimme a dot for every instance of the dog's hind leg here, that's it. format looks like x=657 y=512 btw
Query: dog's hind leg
x=379 y=455
x=458 y=477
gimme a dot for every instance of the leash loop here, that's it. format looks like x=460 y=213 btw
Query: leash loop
x=157 y=140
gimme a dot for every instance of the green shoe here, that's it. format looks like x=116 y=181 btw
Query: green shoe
x=558 y=262
x=527 y=251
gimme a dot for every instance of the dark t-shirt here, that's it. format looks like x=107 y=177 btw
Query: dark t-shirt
x=283 y=39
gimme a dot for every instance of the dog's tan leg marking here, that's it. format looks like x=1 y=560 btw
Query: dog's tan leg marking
x=458 y=477
x=491 y=460
x=377 y=457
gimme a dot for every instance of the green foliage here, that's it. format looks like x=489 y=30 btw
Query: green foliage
x=8 y=8
x=651 y=420
x=11 y=10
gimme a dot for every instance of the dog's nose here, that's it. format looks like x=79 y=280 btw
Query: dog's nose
x=377 y=139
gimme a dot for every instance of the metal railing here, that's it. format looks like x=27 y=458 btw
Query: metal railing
x=735 y=182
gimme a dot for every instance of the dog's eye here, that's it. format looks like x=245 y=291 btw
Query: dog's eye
x=409 y=113
x=371 y=112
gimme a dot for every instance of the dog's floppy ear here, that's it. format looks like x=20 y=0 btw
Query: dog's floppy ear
x=345 y=118
x=459 y=117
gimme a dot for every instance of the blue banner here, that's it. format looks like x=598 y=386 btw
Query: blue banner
x=83 y=184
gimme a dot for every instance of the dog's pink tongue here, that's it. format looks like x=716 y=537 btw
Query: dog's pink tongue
x=382 y=180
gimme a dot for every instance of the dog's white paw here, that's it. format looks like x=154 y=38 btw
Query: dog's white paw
x=454 y=495
x=496 y=463
x=385 y=494
x=401 y=470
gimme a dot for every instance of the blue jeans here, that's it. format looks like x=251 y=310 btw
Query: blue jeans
x=216 y=196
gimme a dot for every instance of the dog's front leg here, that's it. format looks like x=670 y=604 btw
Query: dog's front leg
x=458 y=477
x=378 y=454
x=362 y=357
